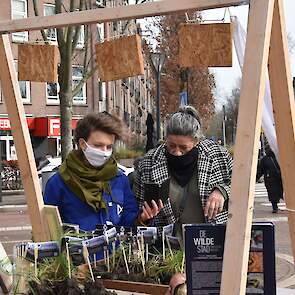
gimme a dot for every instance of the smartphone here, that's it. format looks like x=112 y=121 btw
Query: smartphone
x=154 y=191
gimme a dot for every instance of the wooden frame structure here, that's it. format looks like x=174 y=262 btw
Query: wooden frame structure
x=266 y=26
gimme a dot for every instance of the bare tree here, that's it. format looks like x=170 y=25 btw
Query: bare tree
x=199 y=83
x=67 y=39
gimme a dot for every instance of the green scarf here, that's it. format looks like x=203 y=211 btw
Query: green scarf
x=87 y=182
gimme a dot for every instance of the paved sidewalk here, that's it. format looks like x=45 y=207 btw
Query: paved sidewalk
x=13 y=198
x=285 y=291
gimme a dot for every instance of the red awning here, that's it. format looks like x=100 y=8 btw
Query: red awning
x=5 y=123
x=49 y=126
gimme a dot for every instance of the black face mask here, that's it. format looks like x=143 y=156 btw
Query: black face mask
x=182 y=167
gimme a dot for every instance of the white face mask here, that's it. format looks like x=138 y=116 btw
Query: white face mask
x=96 y=157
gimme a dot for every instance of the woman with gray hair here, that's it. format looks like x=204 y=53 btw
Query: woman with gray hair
x=198 y=172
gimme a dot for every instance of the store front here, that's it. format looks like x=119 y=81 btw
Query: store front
x=45 y=137
x=7 y=148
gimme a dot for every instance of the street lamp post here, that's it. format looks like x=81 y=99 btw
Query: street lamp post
x=157 y=61
x=223 y=126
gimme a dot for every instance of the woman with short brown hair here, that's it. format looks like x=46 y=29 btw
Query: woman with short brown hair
x=89 y=189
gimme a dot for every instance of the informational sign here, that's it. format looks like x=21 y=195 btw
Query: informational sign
x=204 y=247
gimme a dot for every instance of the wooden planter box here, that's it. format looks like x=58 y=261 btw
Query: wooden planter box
x=136 y=287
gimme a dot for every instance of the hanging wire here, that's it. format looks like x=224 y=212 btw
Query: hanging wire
x=188 y=20
x=223 y=19
x=62 y=3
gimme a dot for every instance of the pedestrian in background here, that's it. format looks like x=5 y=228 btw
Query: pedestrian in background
x=269 y=167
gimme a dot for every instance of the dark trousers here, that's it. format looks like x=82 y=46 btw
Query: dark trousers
x=274 y=205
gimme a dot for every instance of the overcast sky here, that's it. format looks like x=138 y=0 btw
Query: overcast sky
x=226 y=78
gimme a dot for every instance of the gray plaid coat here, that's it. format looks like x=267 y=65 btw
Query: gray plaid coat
x=214 y=171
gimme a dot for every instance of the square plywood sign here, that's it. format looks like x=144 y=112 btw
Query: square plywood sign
x=38 y=63
x=120 y=58
x=205 y=45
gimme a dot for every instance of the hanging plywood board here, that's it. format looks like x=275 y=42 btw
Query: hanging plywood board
x=38 y=63
x=205 y=45
x=120 y=58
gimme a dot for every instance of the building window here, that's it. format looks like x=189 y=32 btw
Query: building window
x=24 y=87
x=79 y=98
x=100 y=32
x=81 y=39
x=49 y=9
x=52 y=90
x=19 y=10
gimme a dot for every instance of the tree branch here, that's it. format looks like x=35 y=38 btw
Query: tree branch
x=82 y=5
x=128 y=22
x=36 y=10
x=79 y=86
x=60 y=31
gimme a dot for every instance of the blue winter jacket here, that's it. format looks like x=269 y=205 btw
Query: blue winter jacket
x=122 y=206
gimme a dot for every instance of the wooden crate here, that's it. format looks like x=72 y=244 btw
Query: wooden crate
x=136 y=287
x=120 y=58
x=38 y=63
x=205 y=45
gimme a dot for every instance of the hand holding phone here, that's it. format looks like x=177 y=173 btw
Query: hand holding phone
x=156 y=192
x=149 y=212
x=154 y=195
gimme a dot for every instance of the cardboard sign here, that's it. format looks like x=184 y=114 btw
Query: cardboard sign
x=120 y=58
x=205 y=45
x=38 y=63
x=204 y=247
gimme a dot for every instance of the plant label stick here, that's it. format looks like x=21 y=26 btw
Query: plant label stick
x=130 y=252
x=114 y=253
x=125 y=259
x=169 y=246
x=94 y=260
x=36 y=258
x=86 y=258
x=183 y=262
x=94 y=257
x=141 y=256
x=163 y=243
x=147 y=252
x=68 y=260
x=108 y=260
x=105 y=254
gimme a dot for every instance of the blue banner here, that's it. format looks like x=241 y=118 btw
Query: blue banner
x=183 y=98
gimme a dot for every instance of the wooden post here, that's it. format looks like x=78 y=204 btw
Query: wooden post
x=21 y=137
x=284 y=109
x=54 y=222
x=110 y=14
x=238 y=233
